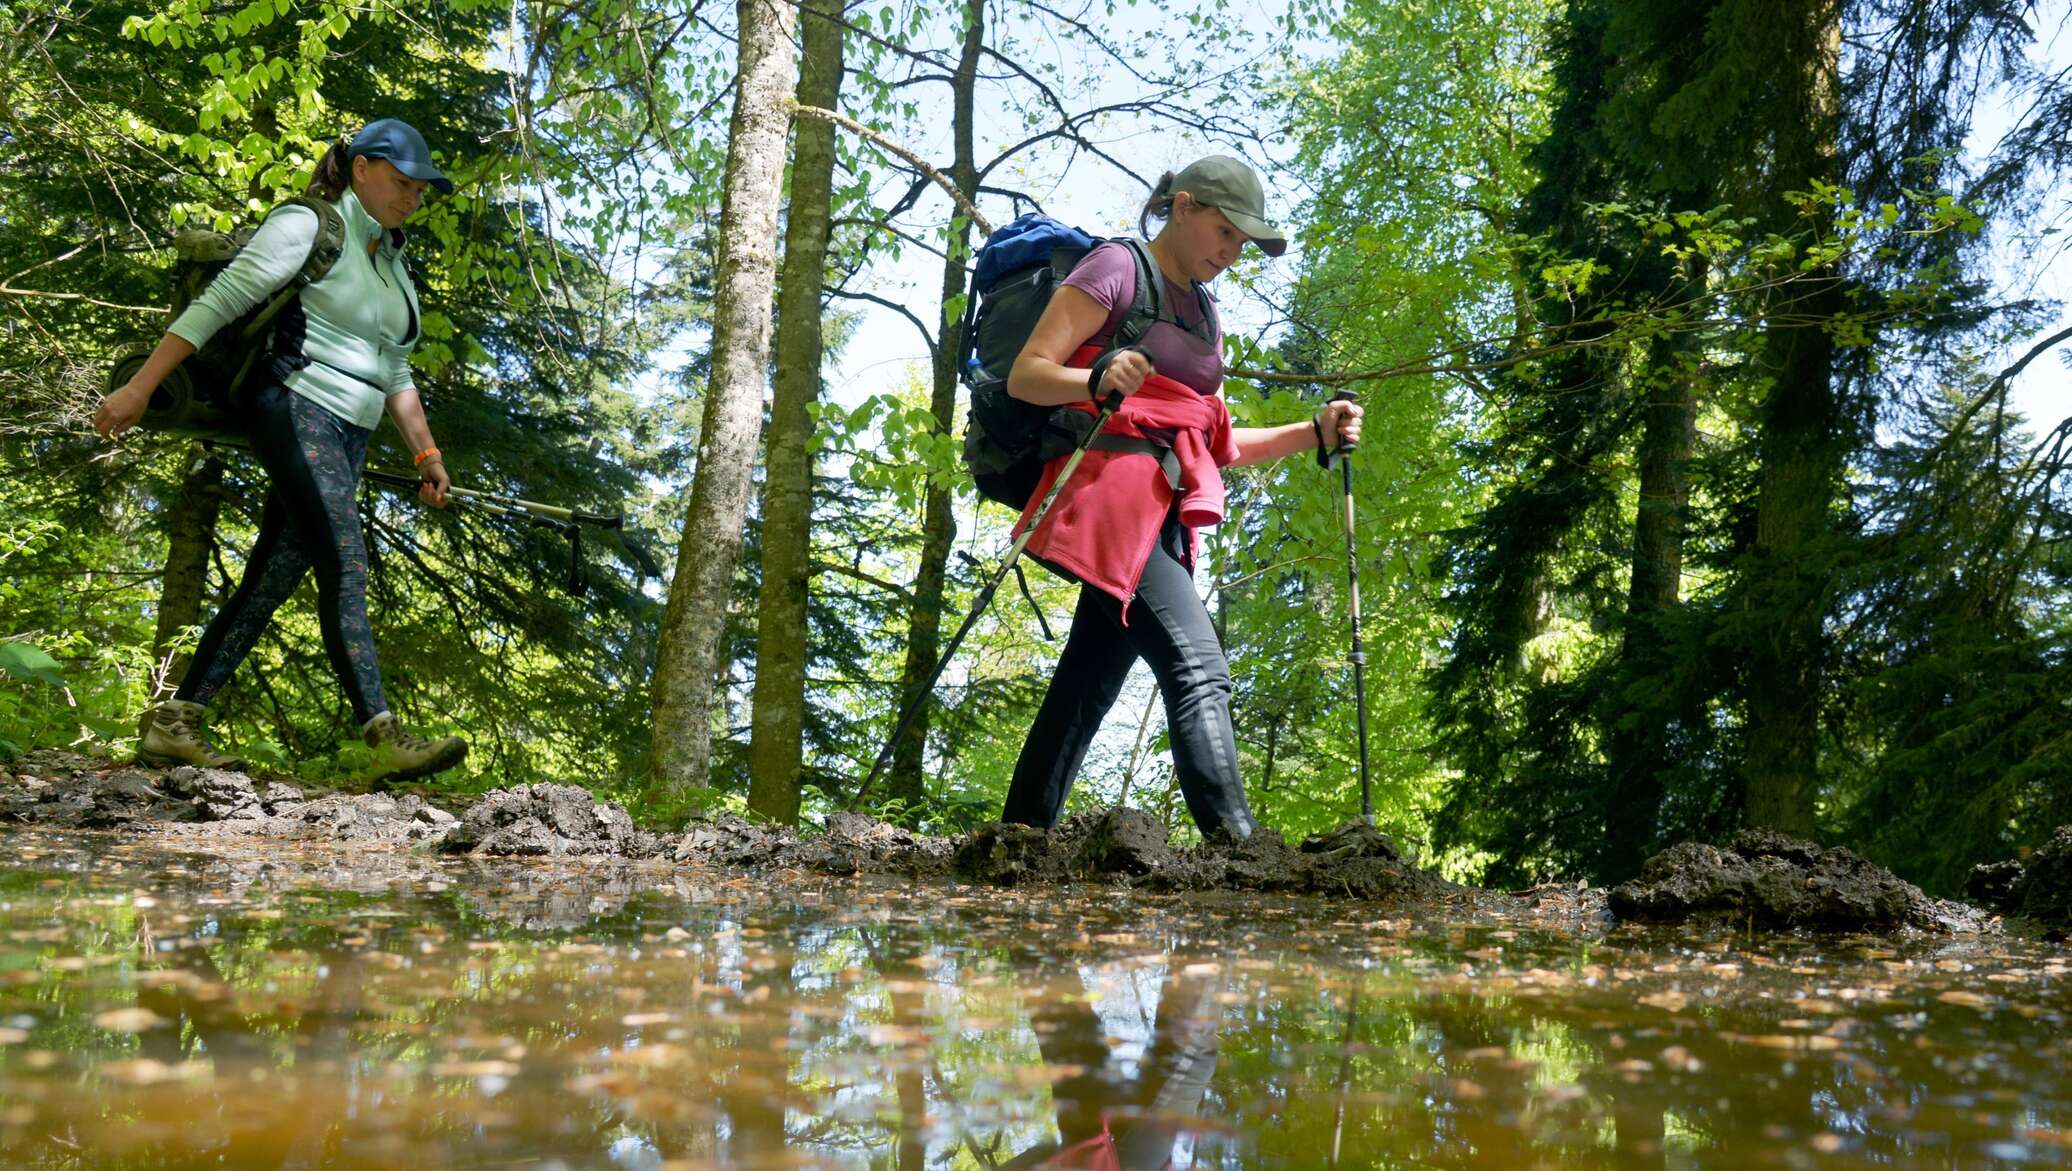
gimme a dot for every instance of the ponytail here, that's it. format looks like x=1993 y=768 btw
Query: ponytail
x=334 y=171
x=1159 y=206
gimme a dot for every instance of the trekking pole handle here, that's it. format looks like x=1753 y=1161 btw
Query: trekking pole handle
x=1328 y=459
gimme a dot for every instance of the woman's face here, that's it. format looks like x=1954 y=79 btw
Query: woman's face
x=1201 y=238
x=389 y=195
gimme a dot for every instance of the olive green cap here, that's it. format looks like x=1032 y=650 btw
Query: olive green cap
x=1231 y=187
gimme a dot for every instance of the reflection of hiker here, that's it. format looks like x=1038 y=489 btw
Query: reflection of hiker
x=1108 y=1121
x=339 y=356
x=1124 y=524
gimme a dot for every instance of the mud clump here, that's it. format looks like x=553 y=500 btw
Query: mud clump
x=1353 y=861
x=1006 y=854
x=548 y=821
x=1996 y=884
x=855 y=844
x=731 y=840
x=1123 y=842
x=205 y=804
x=1360 y=861
x=232 y=804
x=2047 y=881
x=374 y=819
x=221 y=795
x=211 y=808
x=1129 y=846
x=1772 y=880
x=114 y=798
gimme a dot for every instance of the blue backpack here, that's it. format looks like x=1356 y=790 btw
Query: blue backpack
x=1007 y=441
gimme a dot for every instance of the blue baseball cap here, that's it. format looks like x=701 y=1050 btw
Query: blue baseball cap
x=400 y=143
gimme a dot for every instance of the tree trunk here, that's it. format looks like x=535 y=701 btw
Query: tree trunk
x=193 y=532
x=687 y=652
x=939 y=525
x=1637 y=755
x=777 y=725
x=1801 y=449
x=1668 y=435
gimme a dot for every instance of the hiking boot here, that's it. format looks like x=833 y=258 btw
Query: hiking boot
x=172 y=733
x=399 y=756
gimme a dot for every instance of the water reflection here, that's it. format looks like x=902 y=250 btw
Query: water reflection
x=1117 y=1113
x=160 y=1010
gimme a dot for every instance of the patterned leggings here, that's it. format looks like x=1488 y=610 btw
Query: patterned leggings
x=310 y=521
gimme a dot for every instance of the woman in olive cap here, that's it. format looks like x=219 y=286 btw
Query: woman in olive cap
x=1124 y=525
x=338 y=358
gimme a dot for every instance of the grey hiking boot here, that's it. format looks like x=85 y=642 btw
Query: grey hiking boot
x=172 y=733
x=399 y=756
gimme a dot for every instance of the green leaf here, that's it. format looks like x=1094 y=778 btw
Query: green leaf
x=23 y=661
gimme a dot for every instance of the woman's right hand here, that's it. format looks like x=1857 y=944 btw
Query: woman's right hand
x=120 y=411
x=1125 y=372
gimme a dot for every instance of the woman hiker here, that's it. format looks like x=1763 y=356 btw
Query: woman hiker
x=339 y=355
x=1124 y=525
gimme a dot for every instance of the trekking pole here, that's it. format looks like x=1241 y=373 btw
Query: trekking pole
x=566 y=521
x=1342 y=457
x=1345 y=1073
x=498 y=504
x=985 y=598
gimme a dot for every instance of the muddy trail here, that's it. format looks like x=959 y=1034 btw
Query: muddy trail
x=1758 y=880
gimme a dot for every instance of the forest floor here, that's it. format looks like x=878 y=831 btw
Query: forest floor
x=1759 y=880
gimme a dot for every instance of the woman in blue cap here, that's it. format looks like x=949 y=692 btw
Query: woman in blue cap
x=339 y=359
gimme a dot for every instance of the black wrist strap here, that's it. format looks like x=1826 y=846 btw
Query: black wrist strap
x=1323 y=456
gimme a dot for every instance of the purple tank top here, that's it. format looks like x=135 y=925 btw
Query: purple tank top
x=1109 y=276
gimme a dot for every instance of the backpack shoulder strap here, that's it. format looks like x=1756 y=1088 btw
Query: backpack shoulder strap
x=324 y=252
x=330 y=240
x=1147 y=306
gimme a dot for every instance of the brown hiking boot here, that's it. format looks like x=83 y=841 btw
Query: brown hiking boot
x=172 y=733
x=399 y=756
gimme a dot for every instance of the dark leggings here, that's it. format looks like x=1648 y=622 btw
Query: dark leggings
x=1169 y=628
x=310 y=521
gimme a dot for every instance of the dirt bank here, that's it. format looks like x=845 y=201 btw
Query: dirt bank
x=1759 y=879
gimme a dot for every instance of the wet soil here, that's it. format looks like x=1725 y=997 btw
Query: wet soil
x=1759 y=880
x=2037 y=887
x=1770 y=880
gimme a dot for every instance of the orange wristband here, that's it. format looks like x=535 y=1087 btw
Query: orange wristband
x=427 y=453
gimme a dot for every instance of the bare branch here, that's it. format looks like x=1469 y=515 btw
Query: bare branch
x=896 y=307
x=941 y=180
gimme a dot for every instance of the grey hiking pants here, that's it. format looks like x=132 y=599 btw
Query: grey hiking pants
x=1170 y=629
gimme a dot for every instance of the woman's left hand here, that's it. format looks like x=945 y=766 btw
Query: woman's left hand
x=433 y=482
x=1340 y=421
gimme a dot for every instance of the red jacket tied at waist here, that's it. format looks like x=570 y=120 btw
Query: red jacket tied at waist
x=1106 y=521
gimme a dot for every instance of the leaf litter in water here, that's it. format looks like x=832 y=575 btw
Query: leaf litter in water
x=537 y=1014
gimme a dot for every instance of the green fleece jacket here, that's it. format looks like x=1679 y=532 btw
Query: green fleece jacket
x=346 y=343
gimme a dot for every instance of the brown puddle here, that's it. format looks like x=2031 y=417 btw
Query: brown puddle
x=296 y=1009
